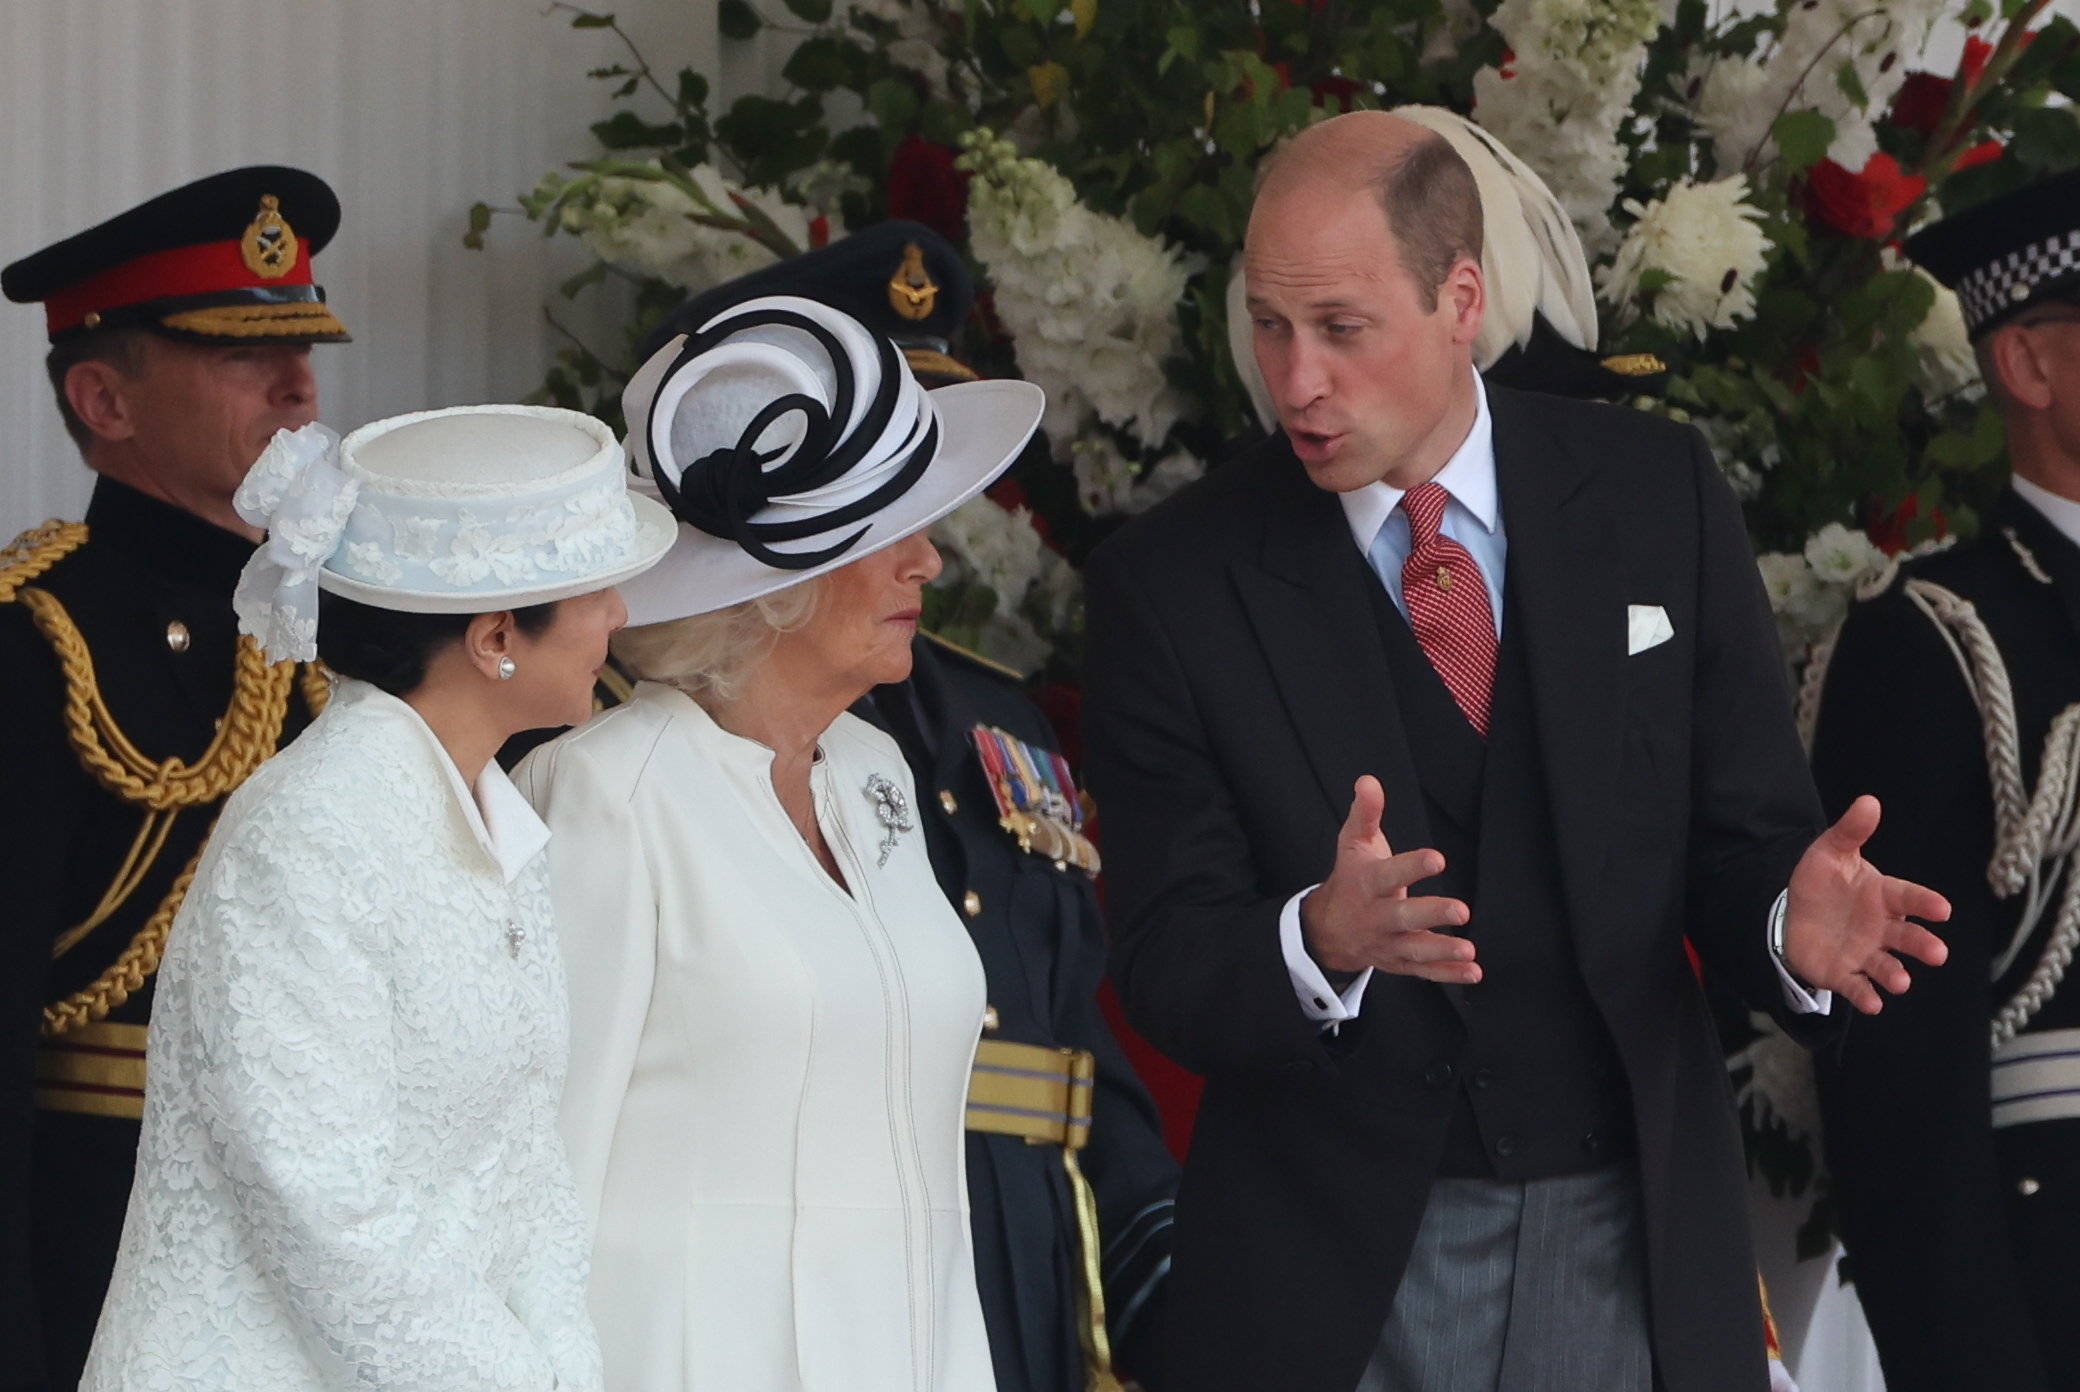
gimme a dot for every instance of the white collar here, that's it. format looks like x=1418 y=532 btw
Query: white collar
x=1469 y=476
x=501 y=819
x=2062 y=513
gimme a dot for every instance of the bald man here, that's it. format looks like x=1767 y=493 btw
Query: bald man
x=1425 y=733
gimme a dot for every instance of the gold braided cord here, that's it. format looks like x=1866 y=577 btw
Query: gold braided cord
x=248 y=733
x=35 y=551
x=315 y=683
x=144 y=853
x=1090 y=1329
x=140 y=959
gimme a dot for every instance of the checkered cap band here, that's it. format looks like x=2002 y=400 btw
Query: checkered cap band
x=2012 y=280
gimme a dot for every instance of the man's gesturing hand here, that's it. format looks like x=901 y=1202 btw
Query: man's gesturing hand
x=1844 y=920
x=1361 y=916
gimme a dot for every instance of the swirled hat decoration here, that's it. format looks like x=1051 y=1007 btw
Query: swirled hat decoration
x=466 y=510
x=789 y=440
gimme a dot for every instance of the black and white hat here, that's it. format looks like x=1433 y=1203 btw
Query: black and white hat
x=789 y=440
x=2008 y=253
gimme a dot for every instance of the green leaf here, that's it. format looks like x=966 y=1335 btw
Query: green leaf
x=693 y=88
x=893 y=102
x=819 y=64
x=814 y=11
x=625 y=130
x=1802 y=138
x=2045 y=138
x=1846 y=78
x=479 y=224
x=737 y=19
x=586 y=19
x=627 y=88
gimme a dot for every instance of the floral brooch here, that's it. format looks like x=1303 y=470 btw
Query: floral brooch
x=892 y=810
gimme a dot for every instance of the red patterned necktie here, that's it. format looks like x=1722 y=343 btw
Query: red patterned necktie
x=1448 y=605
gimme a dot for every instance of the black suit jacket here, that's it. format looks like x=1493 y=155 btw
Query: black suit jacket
x=1968 y=1280
x=1237 y=688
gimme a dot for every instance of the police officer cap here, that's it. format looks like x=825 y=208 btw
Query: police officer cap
x=900 y=279
x=2008 y=253
x=226 y=259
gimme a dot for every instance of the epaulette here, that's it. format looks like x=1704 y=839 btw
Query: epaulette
x=36 y=551
x=976 y=659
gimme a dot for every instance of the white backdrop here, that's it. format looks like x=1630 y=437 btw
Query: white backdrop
x=412 y=109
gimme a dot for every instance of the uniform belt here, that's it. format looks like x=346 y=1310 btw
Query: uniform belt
x=95 y=1069
x=2036 y=1077
x=1044 y=1096
x=1032 y=1091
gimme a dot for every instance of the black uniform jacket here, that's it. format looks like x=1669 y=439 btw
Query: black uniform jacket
x=1238 y=686
x=1043 y=953
x=65 y=1175
x=1968 y=1280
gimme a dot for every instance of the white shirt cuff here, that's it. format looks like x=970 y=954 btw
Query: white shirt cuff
x=1318 y=999
x=1798 y=998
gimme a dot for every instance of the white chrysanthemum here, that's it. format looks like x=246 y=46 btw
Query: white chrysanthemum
x=1091 y=303
x=1734 y=106
x=1806 y=610
x=1108 y=482
x=1577 y=68
x=1708 y=240
x=917 y=43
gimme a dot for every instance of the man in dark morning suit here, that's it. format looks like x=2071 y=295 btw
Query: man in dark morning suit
x=1408 y=811
x=1033 y=915
x=1952 y=1123
x=129 y=707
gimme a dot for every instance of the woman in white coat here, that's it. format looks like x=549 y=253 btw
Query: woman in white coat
x=349 y=1174
x=774 y=1008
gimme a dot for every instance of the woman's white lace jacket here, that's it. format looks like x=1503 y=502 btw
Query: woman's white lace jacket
x=349 y=1174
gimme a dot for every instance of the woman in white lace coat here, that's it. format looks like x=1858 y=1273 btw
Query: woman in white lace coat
x=349 y=1175
x=774 y=1007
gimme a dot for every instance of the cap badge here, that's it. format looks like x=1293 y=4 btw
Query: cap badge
x=1037 y=799
x=269 y=245
x=912 y=292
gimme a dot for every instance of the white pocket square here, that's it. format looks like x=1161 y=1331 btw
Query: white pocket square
x=1646 y=626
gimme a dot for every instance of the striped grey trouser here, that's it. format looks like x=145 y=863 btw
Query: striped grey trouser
x=1532 y=1287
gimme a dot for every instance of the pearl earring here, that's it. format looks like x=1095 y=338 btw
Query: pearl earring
x=506 y=668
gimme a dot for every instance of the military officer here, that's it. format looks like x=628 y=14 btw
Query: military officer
x=180 y=335
x=1070 y=1184
x=1952 y=1120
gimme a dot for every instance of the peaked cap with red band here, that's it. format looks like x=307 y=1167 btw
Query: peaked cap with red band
x=226 y=260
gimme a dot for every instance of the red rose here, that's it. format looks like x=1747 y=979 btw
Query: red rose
x=1335 y=92
x=1865 y=204
x=924 y=186
x=1919 y=105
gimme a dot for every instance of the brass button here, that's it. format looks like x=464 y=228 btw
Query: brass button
x=990 y=1018
x=2028 y=1187
x=177 y=636
x=948 y=801
x=971 y=904
x=1061 y=865
x=93 y=319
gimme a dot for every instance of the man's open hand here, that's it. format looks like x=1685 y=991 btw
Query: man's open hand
x=1844 y=921
x=1362 y=915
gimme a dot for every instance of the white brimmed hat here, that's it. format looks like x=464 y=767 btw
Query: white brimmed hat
x=465 y=510
x=790 y=440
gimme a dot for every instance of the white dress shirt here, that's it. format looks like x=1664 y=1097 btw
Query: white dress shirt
x=1473 y=518
x=2062 y=513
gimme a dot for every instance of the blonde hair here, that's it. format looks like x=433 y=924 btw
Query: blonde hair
x=710 y=656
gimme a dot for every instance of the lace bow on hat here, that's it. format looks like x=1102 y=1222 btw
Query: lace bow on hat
x=299 y=493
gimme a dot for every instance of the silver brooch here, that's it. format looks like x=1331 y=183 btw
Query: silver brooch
x=893 y=811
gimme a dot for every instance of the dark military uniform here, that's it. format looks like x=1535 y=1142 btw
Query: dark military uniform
x=1961 y=1215
x=1952 y=1119
x=1036 y=925
x=129 y=709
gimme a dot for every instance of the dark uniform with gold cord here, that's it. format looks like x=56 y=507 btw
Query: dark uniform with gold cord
x=1952 y=1119
x=129 y=709
x=1070 y=1184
